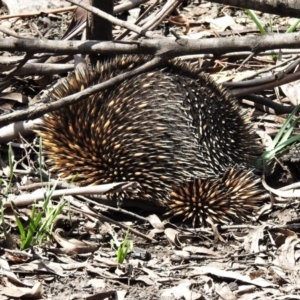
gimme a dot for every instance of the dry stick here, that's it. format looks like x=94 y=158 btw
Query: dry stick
x=170 y=47
x=12 y=131
x=118 y=9
x=50 y=183
x=12 y=60
x=128 y=5
x=40 y=109
x=245 y=91
x=264 y=83
x=290 y=187
x=130 y=229
x=12 y=33
x=51 y=69
x=285 y=8
x=52 y=11
x=267 y=105
x=251 y=82
x=160 y=46
x=88 y=190
x=44 y=69
x=251 y=55
x=247 y=79
x=152 y=23
x=69 y=35
x=117 y=209
x=127 y=31
x=268 y=52
x=11 y=72
x=281 y=193
x=116 y=21
x=85 y=210
x=99 y=201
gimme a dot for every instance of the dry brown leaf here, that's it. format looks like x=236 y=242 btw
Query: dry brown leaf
x=97 y=283
x=35 y=292
x=106 y=261
x=292 y=91
x=42 y=267
x=6 y=271
x=286 y=254
x=156 y=222
x=173 y=237
x=224 y=291
x=150 y=273
x=222 y=23
x=180 y=20
x=78 y=18
x=17 y=97
x=72 y=246
x=261 y=282
x=121 y=295
x=251 y=241
x=199 y=250
x=101 y=296
x=145 y=279
x=94 y=270
x=280 y=235
x=245 y=289
x=182 y=291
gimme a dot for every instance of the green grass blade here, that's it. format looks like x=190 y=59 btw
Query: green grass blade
x=32 y=227
x=283 y=127
x=40 y=159
x=254 y=18
x=288 y=131
x=20 y=227
x=293 y=26
x=289 y=142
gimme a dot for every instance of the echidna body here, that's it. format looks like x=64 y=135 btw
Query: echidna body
x=165 y=129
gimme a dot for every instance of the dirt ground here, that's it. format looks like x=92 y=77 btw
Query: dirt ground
x=166 y=259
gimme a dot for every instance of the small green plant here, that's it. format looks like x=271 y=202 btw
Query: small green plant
x=257 y=22
x=7 y=186
x=122 y=247
x=40 y=223
x=255 y=19
x=282 y=138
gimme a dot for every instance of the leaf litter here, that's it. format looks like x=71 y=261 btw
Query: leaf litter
x=252 y=261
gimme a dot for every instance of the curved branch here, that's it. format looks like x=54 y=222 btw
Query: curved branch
x=39 y=109
x=168 y=47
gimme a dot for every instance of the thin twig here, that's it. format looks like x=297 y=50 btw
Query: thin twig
x=115 y=21
x=39 y=110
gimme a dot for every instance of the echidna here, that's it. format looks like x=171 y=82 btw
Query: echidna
x=176 y=132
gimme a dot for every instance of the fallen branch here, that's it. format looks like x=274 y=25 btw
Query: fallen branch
x=40 y=109
x=170 y=48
